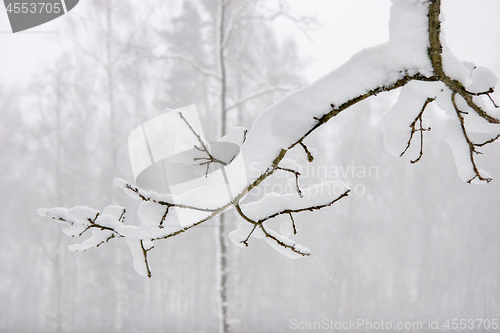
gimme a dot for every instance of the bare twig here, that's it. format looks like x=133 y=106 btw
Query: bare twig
x=250 y=234
x=487 y=93
x=292 y=247
x=267 y=233
x=92 y=223
x=297 y=174
x=487 y=142
x=420 y=129
x=310 y=157
x=312 y=208
x=146 y=197
x=472 y=146
x=164 y=217
x=293 y=224
x=205 y=160
x=145 y=252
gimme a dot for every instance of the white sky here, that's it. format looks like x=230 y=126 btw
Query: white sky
x=348 y=26
x=472 y=31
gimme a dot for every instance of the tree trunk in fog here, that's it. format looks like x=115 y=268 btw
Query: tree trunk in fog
x=58 y=183
x=220 y=235
x=120 y=288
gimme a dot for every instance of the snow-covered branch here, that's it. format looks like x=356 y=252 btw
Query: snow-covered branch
x=414 y=59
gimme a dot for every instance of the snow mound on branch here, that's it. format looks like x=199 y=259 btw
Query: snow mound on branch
x=244 y=229
x=110 y=217
x=151 y=195
x=482 y=79
x=408 y=33
x=316 y=195
x=285 y=122
x=284 y=250
x=98 y=237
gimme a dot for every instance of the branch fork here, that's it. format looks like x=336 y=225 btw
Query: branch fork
x=420 y=129
x=209 y=159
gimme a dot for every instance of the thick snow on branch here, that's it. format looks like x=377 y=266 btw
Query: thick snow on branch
x=285 y=245
x=272 y=204
x=285 y=122
x=253 y=216
x=80 y=219
x=414 y=58
x=280 y=242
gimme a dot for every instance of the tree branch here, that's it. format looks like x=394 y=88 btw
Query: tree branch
x=472 y=149
x=112 y=224
x=420 y=129
x=312 y=208
x=487 y=93
x=293 y=223
x=310 y=157
x=149 y=196
x=435 y=55
x=296 y=174
x=206 y=160
x=283 y=242
x=145 y=253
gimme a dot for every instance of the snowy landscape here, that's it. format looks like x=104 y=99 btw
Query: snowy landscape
x=361 y=200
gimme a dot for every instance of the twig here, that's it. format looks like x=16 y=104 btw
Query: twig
x=122 y=217
x=420 y=129
x=280 y=242
x=312 y=208
x=206 y=160
x=487 y=93
x=164 y=217
x=248 y=237
x=472 y=149
x=145 y=197
x=293 y=224
x=145 y=252
x=297 y=174
x=487 y=142
x=310 y=157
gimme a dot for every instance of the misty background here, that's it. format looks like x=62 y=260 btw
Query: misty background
x=413 y=243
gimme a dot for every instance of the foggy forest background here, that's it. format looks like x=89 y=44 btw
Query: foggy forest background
x=415 y=243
